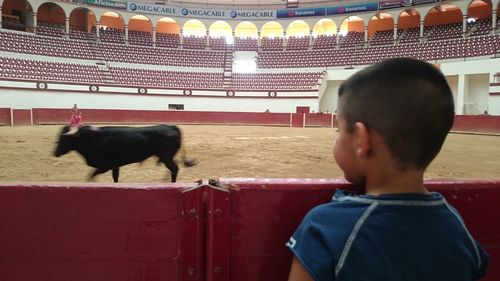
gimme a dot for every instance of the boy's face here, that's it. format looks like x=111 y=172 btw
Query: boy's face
x=344 y=153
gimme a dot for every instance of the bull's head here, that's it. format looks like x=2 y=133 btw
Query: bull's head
x=67 y=140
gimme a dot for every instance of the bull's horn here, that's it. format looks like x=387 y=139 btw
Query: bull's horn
x=72 y=131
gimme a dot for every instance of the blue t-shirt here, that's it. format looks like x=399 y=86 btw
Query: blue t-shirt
x=400 y=237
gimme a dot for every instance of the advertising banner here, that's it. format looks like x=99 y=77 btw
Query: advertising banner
x=352 y=8
x=390 y=4
x=252 y=14
x=152 y=9
x=106 y=3
x=309 y=12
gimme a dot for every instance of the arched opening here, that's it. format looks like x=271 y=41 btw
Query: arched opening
x=444 y=21
x=51 y=20
x=194 y=35
x=82 y=19
x=271 y=29
x=17 y=15
x=298 y=28
x=246 y=37
x=112 y=28
x=326 y=27
x=167 y=33
x=409 y=26
x=272 y=36
x=381 y=25
x=220 y=30
x=324 y=34
x=140 y=30
x=479 y=21
x=246 y=29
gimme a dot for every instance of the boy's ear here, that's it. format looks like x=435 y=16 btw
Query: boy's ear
x=363 y=140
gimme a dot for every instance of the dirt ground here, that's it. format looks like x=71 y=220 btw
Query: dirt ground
x=26 y=155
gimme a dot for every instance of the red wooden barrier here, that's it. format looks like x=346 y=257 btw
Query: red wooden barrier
x=21 y=117
x=5 y=116
x=264 y=214
x=114 y=232
x=236 y=231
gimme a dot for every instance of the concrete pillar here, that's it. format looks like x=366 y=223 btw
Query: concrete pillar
x=421 y=29
x=35 y=22
x=259 y=39
x=463 y=85
x=154 y=36
x=181 y=35
x=67 y=27
x=310 y=37
x=464 y=24
x=126 y=34
x=395 y=32
x=97 y=33
x=0 y=16
x=207 y=38
x=494 y=18
x=338 y=35
x=366 y=34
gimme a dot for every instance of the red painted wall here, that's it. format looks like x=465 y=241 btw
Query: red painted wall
x=21 y=117
x=464 y=123
x=77 y=232
x=233 y=232
x=5 y=116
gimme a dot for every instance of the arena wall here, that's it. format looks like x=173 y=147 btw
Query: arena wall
x=233 y=229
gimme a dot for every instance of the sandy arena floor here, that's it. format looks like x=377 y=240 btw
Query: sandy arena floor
x=230 y=151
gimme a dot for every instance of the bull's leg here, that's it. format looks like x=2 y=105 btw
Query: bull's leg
x=116 y=173
x=98 y=171
x=170 y=164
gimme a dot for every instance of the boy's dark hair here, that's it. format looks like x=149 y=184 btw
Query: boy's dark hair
x=407 y=101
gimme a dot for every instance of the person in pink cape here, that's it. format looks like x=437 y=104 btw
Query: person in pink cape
x=76 y=117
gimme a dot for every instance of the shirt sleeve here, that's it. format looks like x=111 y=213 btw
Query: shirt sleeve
x=483 y=268
x=312 y=249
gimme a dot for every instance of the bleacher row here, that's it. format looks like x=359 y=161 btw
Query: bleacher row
x=383 y=37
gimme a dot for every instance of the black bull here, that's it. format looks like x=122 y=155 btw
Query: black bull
x=109 y=148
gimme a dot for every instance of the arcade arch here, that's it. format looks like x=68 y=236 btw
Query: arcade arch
x=246 y=29
x=298 y=28
x=324 y=27
x=18 y=15
x=167 y=25
x=194 y=27
x=272 y=29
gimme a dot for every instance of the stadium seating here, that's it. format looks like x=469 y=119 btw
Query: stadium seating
x=162 y=78
x=276 y=81
x=140 y=38
x=42 y=70
x=194 y=42
x=245 y=44
x=324 y=42
x=50 y=29
x=297 y=43
x=271 y=43
x=168 y=40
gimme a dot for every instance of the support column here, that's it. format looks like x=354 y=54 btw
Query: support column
x=126 y=35
x=338 y=35
x=494 y=18
x=366 y=34
x=67 y=27
x=310 y=37
x=395 y=36
x=181 y=38
x=35 y=22
x=207 y=38
x=463 y=85
x=421 y=29
x=0 y=16
x=154 y=36
x=97 y=28
x=464 y=24
x=259 y=40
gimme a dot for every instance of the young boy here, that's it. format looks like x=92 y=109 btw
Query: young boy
x=393 y=118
